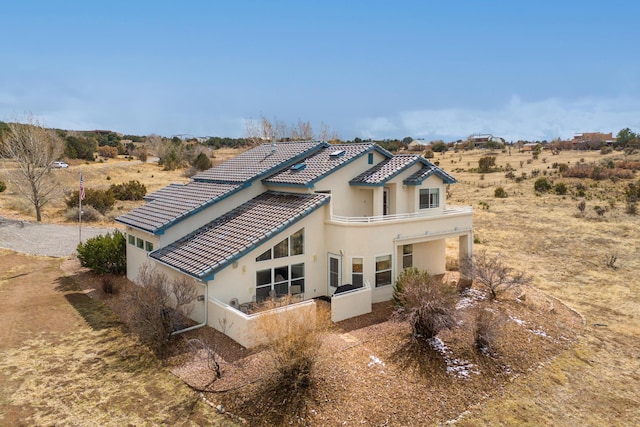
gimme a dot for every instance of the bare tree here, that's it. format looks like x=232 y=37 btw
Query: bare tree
x=157 y=306
x=302 y=131
x=492 y=273
x=327 y=133
x=34 y=149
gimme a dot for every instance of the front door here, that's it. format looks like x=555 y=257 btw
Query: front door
x=335 y=272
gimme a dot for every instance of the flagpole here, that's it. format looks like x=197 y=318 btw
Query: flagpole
x=80 y=197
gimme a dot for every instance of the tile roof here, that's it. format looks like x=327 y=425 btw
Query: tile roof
x=385 y=170
x=260 y=161
x=425 y=172
x=174 y=202
x=320 y=164
x=227 y=238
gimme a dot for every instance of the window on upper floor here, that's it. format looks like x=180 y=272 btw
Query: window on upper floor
x=291 y=246
x=429 y=198
x=132 y=239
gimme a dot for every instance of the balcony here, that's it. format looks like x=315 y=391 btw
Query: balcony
x=424 y=214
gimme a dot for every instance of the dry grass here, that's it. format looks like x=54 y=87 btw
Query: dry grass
x=66 y=359
x=374 y=378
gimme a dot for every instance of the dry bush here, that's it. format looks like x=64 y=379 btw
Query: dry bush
x=597 y=173
x=157 y=306
x=628 y=164
x=293 y=340
x=108 y=152
x=89 y=214
x=492 y=274
x=427 y=304
x=487 y=327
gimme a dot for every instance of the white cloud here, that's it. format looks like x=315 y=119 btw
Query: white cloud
x=516 y=119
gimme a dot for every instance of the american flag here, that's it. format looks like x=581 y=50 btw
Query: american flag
x=81 y=188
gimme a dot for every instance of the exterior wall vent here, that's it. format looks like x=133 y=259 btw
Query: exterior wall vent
x=298 y=166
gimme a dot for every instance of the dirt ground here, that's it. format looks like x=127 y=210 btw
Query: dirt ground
x=66 y=359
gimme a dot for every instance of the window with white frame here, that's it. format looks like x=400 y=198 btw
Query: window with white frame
x=383 y=270
x=357 y=272
x=407 y=256
x=429 y=198
x=279 y=281
x=291 y=246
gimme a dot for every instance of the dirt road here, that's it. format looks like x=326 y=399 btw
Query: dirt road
x=44 y=239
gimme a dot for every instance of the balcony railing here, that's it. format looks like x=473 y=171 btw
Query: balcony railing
x=429 y=213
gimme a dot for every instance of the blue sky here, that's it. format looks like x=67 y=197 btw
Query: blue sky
x=427 y=69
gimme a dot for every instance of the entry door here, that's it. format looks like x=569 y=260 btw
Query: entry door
x=335 y=272
x=385 y=201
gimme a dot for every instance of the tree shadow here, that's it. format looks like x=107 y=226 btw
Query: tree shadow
x=419 y=357
x=97 y=314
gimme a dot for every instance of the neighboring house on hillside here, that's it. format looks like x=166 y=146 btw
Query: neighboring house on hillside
x=299 y=218
x=592 y=140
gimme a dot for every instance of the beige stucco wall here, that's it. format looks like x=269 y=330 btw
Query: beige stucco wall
x=239 y=279
x=350 y=304
x=136 y=257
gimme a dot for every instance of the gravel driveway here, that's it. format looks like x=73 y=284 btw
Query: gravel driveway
x=44 y=239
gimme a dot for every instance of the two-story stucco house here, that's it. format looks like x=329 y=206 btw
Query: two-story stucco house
x=301 y=219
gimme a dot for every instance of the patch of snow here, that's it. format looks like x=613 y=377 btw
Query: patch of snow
x=457 y=367
x=375 y=361
x=518 y=321
x=469 y=298
x=539 y=332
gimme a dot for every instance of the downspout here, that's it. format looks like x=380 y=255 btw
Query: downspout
x=206 y=313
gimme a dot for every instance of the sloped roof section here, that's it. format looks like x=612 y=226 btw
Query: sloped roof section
x=385 y=170
x=425 y=172
x=320 y=164
x=260 y=161
x=174 y=202
x=219 y=243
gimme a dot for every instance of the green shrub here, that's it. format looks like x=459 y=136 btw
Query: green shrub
x=202 y=162
x=104 y=254
x=560 y=188
x=542 y=185
x=101 y=200
x=132 y=190
x=3 y=186
x=500 y=193
x=486 y=163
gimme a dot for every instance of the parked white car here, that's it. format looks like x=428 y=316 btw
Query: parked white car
x=59 y=164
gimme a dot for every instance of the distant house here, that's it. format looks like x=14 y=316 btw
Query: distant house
x=591 y=140
x=481 y=140
x=301 y=219
x=416 y=145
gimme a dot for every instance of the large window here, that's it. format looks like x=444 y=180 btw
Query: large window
x=407 y=256
x=291 y=246
x=383 y=270
x=279 y=281
x=357 y=272
x=429 y=198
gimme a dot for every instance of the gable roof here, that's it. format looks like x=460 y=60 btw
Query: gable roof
x=260 y=161
x=425 y=172
x=322 y=163
x=227 y=238
x=175 y=202
x=389 y=168
x=385 y=170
